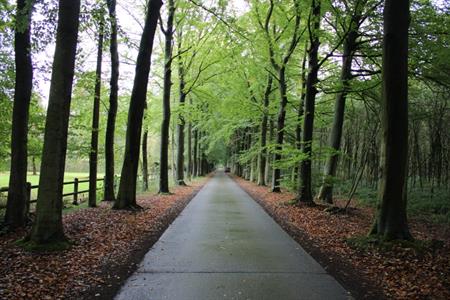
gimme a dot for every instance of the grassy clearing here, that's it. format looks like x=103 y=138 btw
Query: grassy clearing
x=82 y=197
x=34 y=179
x=68 y=188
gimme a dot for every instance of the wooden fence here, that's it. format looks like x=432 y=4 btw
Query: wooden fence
x=76 y=192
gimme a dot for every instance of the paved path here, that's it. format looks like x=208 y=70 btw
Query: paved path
x=224 y=246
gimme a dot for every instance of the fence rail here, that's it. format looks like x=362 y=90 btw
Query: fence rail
x=76 y=192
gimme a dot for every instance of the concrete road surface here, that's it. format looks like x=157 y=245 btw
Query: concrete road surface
x=225 y=246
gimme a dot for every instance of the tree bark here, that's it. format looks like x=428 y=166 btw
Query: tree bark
x=126 y=198
x=300 y=112
x=172 y=146
x=263 y=141
x=247 y=147
x=280 y=67
x=93 y=157
x=304 y=185
x=276 y=177
x=112 y=111
x=180 y=127
x=391 y=221
x=195 y=154
x=301 y=104
x=164 y=150
x=326 y=190
x=268 y=160
x=48 y=227
x=189 y=151
x=145 y=160
x=16 y=208
x=199 y=155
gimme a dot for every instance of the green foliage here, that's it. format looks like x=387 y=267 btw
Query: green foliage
x=80 y=125
x=430 y=203
x=7 y=77
x=429 y=42
x=36 y=125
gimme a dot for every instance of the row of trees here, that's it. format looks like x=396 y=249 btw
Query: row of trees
x=47 y=227
x=298 y=68
x=286 y=92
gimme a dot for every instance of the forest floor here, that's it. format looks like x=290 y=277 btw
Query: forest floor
x=417 y=271
x=107 y=246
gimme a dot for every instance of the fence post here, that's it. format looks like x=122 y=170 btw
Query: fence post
x=28 y=197
x=75 y=191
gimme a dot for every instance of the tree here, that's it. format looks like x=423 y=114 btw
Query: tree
x=164 y=157
x=126 y=198
x=16 y=208
x=263 y=140
x=280 y=70
x=326 y=190
x=391 y=221
x=304 y=186
x=181 y=121
x=145 y=158
x=93 y=155
x=112 y=111
x=48 y=227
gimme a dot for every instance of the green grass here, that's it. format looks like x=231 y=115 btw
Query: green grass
x=68 y=188
x=432 y=204
x=34 y=179
x=69 y=176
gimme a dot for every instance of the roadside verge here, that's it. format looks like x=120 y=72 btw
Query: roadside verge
x=107 y=246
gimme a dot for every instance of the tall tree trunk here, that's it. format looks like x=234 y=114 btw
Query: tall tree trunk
x=247 y=147
x=326 y=190
x=172 y=146
x=300 y=112
x=199 y=154
x=126 y=197
x=93 y=157
x=189 y=151
x=391 y=221
x=112 y=111
x=280 y=67
x=164 y=153
x=304 y=186
x=263 y=142
x=268 y=160
x=48 y=227
x=195 y=154
x=180 y=127
x=145 y=159
x=16 y=207
x=276 y=177
x=301 y=104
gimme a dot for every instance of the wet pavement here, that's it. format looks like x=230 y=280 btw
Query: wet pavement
x=225 y=246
